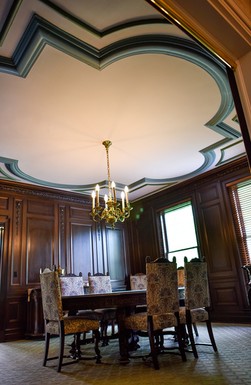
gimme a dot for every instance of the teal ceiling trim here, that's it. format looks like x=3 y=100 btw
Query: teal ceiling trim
x=9 y=19
x=223 y=150
x=40 y=32
x=101 y=33
x=226 y=130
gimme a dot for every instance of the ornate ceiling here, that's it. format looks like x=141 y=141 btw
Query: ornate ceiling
x=75 y=73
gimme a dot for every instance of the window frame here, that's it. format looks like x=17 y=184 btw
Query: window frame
x=163 y=229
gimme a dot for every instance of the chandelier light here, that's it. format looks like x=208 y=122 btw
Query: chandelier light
x=113 y=211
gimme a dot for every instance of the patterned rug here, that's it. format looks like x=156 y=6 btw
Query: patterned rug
x=21 y=363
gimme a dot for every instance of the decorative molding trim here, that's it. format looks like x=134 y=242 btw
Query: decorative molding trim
x=20 y=188
x=9 y=19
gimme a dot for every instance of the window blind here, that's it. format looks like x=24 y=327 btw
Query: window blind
x=241 y=198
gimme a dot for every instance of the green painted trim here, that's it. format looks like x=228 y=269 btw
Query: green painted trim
x=40 y=32
x=9 y=19
x=101 y=33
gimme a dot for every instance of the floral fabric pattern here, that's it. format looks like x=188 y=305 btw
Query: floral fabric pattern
x=138 y=282
x=99 y=284
x=51 y=296
x=196 y=285
x=162 y=298
x=52 y=308
x=162 y=288
x=71 y=286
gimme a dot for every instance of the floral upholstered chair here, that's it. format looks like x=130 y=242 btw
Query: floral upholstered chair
x=58 y=324
x=100 y=284
x=197 y=301
x=138 y=281
x=162 y=306
x=71 y=285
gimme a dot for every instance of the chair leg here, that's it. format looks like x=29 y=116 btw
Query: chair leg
x=181 y=342
x=195 y=329
x=46 y=350
x=104 y=337
x=211 y=335
x=96 y=346
x=153 y=346
x=191 y=337
x=61 y=350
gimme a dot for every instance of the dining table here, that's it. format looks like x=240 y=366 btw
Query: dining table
x=124 y=302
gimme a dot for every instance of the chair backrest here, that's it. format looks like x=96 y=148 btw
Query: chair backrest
x=181 y=277
x=138 y=281
x=196 y=285
x=162 y=287
x=51 y=295
x=99 y=283
x=71 y=285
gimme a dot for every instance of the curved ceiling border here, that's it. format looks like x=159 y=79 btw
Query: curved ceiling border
x=40 y=32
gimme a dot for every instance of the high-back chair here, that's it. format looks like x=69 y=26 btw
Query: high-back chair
x=71 y=285
x=101 y=283
x=197 y=301
x=138 y=281
x=162 y=307
x=181 y=286
x=58 y=324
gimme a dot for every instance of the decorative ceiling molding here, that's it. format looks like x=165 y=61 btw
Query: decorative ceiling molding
x=41 y=32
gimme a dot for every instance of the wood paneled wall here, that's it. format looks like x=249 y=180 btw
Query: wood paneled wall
x=44 y=227
x=213 y=215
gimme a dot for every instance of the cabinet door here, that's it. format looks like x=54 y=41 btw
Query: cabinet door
x=82 y=247
x=40 y=247
x=116 y=256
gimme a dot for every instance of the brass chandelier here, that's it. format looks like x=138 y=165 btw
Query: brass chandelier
x=113 y=210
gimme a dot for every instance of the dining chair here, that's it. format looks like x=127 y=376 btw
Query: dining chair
x=72 y=284
x=181 y=286
x=162 y=309
x=138 y=281
x=101 y=283
x=56 y=323
x=197 y=301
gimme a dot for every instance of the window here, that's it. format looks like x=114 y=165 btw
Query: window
x=241 y=199
x=178 y=232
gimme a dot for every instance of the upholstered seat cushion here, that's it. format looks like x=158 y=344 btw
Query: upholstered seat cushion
x=72 y=325
x=138 y=321
x=197 y=315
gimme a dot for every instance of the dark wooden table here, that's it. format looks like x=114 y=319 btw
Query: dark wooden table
x=124 y=301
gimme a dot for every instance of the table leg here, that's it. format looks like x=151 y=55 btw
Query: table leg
x=124 y=357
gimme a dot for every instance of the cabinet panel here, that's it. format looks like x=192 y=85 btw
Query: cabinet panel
x=116 y=258
x=215 y=242
x=39 y=252
x=81 y=249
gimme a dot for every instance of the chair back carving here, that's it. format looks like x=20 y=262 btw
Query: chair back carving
x=99 y=283
x=196 y=285
x=51 y=295
x=138 y=281
x=71 y=285
x=162 y=288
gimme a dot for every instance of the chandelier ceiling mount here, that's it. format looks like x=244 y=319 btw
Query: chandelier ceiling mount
x=113 y=211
